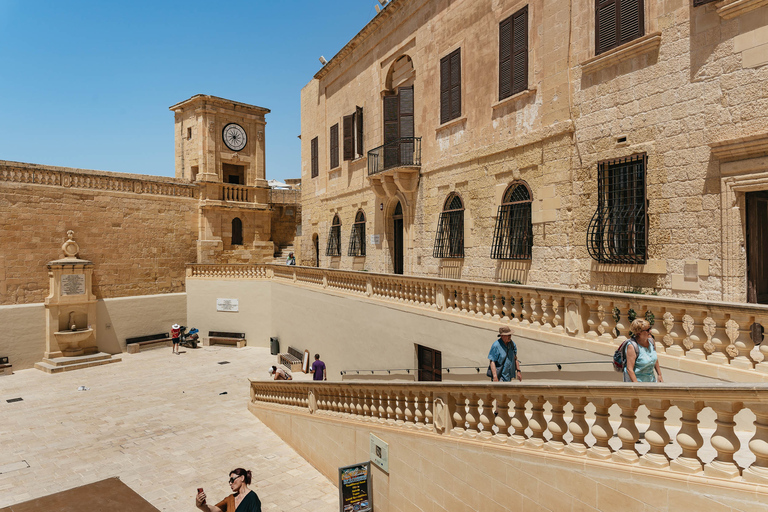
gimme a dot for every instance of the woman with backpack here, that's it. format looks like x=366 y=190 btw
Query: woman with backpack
x=640 y=354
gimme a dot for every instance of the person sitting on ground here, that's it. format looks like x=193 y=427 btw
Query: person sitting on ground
x=318 y=369
x=291 y=259
x=640 y=354
x=242 y=498
x=503 y=358
x=279 y=374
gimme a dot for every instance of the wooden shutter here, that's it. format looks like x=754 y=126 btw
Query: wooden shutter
x=359 y=130
x=391 y=126
x=456 y=84
x=334 y=146
x=520 y=50
x=630 y=20
x=505 y=58
x=313 y=157
x=349 y=137
x=606 y=25
x=406 y=111
x=450 y=86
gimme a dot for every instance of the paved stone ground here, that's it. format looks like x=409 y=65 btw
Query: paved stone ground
x=159 y=423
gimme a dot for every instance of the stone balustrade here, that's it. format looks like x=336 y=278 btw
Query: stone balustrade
x=92 y=180
x=717 y=334
x=236 y=193
x=534 y=417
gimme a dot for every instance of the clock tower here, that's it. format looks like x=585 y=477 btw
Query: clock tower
x=220 y=146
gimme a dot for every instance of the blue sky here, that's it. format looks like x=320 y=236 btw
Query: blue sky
x=88 y=83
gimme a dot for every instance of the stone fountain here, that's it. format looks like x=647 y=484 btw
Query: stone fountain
x=70 y=341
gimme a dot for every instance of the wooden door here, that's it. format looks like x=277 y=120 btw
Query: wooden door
x=430 y=364
x=757 y=247
x=397 y=235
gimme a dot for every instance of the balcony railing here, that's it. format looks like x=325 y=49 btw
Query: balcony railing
x=404 y=152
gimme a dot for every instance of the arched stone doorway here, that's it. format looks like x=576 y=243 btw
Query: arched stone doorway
x=397 y=239
x=316 y=248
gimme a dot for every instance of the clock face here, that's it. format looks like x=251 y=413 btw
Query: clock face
x=234 y=137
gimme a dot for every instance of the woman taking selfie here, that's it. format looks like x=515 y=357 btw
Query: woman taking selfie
x=242 y=498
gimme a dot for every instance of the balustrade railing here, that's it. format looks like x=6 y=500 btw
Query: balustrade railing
x=236 y=193
x=534 y=417
x=90 y=180
x=728 y=335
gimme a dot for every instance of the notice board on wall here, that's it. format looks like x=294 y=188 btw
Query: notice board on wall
x=356 y=488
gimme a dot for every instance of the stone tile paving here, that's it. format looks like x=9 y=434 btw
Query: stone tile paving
x=159 y=423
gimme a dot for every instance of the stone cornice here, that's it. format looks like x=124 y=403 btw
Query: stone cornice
x=386 y=13
x=639 y=46
x=741 y=148
x=199 y=100
x=728 y=9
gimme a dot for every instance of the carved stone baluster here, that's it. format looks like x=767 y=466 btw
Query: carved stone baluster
x=515 y=308
x=486 y=417
x=496 y=308
x=502 y=419
x=489 y=306
x=382 y=402
x=537 y=423
x=470 y=301
x=464 y=295
x=673 y=339
x=546 y=314
x=619 y=323
x=601 y=429
x=427 y=405
x=724 y=441
x=408 y=409
x=714 y=346
x=458 y=413
x=736 y=328
x=421 y=288
x=693 y=341
x=594 y=322
x=399 y=405
x=525 y=311
x=656 y=435
x=418 y=411
x=557 y=426
x=628 y=431
x=358 y=402
x=519 y=422
x=689 y=438
x=366 y=405
x=535 y=313
x=472 y=416
x=391 y=405
x=450 y=300
x=607 y=323
x=758 y=445
x=557 y=316
x=578 y=427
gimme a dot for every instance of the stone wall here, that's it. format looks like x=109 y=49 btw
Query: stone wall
x=139 y=231
x=693 y=80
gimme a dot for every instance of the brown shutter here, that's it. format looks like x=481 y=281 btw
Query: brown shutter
x=520 y=50
x=334 y=146
x=630 y=20
x=349 y=137
x=606 y=25
x=313 y=157
x=445 y=89
x=406 y=111
x=359 y=130
x=456 y=84
x=505 y=58
x=391 y=128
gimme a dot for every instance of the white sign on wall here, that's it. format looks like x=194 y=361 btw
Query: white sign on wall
x=72 y=284
x=228 y=305
x=380 y=453
x=375 y=240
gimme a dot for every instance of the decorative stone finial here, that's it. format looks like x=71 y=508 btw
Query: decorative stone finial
x=70 y=247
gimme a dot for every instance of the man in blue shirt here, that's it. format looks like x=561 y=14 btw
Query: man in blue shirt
x=503 y=357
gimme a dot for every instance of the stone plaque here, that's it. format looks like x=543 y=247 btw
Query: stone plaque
x=380 y=453
x=73 y=284
x=227 y=305
x=375 y=239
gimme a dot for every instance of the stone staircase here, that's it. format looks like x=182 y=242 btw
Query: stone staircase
x=281 y=254
x=66 y=364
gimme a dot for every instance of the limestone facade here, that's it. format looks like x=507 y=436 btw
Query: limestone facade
x=687 y=93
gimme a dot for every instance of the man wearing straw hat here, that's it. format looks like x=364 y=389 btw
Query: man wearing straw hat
x=503 y=358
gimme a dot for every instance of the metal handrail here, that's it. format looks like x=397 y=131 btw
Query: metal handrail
x=476 y=367
x=403 y=152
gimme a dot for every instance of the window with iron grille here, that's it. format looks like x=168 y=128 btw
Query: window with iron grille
x=618 y=231
x=450 y=86
x=449 y=240
x=334 y=146
x=513 y=235
x=334 y=238
x=313 y=158
x=513 y=54
x=617 y=22
x=357 y=240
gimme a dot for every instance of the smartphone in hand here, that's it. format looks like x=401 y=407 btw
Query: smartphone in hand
x=199 y=490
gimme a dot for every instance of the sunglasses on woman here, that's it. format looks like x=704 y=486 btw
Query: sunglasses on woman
x=232 y=479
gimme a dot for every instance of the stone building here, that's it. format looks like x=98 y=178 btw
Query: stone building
x=611 y=145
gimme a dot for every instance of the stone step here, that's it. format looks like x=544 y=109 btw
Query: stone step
x=47 y=367
x=65 y=361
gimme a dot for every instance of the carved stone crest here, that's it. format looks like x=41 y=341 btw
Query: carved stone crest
x=70 y=247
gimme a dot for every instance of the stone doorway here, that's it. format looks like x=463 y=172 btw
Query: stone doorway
x=397 y=246
x=430 y=364
x=757 y=247
x=233 y=174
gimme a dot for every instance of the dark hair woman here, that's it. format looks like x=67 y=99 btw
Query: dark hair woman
x=242 y=498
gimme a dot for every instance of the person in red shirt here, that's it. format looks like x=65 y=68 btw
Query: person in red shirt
x=175 y=335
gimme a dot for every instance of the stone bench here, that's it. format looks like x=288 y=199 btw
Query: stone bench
x=236 y=339
x=134 y=345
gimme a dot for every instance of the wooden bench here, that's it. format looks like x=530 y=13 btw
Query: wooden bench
x=293 y=359
x=6 y=369
x=134 y=345
x=227 y=338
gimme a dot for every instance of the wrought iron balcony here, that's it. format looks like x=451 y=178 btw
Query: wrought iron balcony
x=404 y=152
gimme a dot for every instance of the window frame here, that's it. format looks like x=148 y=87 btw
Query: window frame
x=619 y=27
x=513 y=233
x=334 y=238
x=449 y=237
x=333 y=145
x=313 y=157
x=357 y=237
x=450 y=86
x=507 y=89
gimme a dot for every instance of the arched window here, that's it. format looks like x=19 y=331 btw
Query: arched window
x=357 y=239
x=334 y=238
x=449 y=240
x=237 y=231
x=513 y=236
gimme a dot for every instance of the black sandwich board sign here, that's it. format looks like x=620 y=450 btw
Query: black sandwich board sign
x=356 y=488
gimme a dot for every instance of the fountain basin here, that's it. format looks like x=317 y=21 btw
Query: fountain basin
x=69 y=341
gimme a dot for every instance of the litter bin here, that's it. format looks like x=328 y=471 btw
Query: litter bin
x=274 y=344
